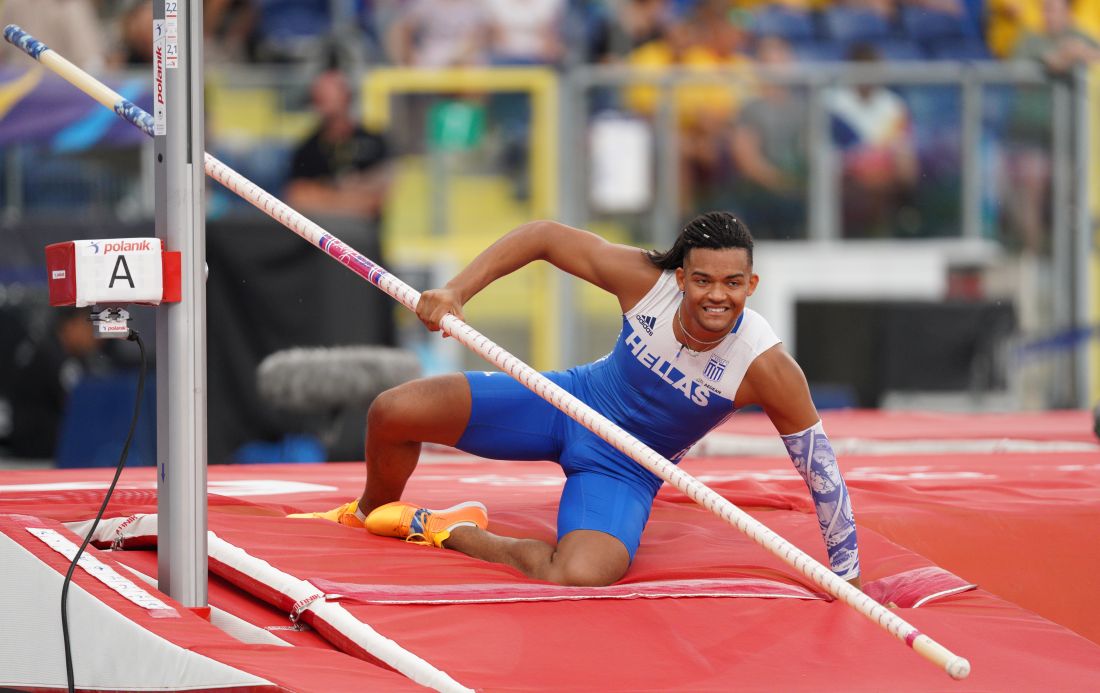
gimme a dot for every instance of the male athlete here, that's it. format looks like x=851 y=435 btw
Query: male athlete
x=690 y=353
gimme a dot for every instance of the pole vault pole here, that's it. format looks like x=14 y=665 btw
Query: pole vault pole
x=955 y=666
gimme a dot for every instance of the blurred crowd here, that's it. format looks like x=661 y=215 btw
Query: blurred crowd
x=102 y=33
x=740 y=147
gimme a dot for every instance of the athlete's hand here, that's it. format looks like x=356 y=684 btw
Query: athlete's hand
x=435 y=303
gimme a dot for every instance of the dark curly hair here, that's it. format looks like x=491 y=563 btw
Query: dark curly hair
x=715 y=230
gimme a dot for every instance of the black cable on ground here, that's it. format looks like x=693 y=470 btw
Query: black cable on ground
x=133 y=337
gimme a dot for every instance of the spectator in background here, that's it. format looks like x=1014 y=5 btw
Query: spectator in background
x=872 y=128
x=704 y=40
x=888 y=9
x=1008 y=21
x=769 y=151
x=227 y=30
x=525 y=32
x=707 y=39
x=1059 y=46
x=793 y=5
x=228 y=27
x=631 y=24
x=522 y=32
x=953 y=7
x=1086 y=17
x=440 y=33
x=883 y=8
x=135 y=26
x=341 y=169
x=46 y=371
x=69 y=27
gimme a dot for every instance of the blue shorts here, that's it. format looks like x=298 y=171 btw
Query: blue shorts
x=604 y=490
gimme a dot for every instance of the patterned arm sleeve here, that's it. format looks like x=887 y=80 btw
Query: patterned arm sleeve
x=815 y=460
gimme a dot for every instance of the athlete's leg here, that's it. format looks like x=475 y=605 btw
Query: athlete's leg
x=600 y=519
x=429 y=410
x=600 y=523
x=583 y=557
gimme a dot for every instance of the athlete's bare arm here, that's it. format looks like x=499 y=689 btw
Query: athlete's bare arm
x=620 y=270
x=777 y=384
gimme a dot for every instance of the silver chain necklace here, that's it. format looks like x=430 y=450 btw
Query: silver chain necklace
x=683 y=329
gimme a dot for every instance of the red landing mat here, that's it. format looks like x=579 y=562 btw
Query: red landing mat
x=952 y=506
x=1075 y=426
x=1023 y=526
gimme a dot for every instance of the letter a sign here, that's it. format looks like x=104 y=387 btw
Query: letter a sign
x=114 y=270
x=122 y=271
x=119 y=270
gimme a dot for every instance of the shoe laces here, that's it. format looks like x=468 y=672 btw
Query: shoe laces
x=418 y=527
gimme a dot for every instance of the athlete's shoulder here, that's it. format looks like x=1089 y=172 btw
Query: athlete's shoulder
x=756 y=332
x=661 y=287
x=622 y=270
x=640 y=277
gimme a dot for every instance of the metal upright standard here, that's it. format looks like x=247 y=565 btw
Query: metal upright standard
x=1084 y=251
x=181 y=327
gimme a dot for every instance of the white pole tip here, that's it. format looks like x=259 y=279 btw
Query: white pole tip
x=958 y=668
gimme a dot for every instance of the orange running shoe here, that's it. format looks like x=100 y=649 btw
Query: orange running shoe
x=345 y=515
x=422 y=525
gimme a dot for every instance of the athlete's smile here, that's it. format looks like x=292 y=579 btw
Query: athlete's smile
x=715 y=283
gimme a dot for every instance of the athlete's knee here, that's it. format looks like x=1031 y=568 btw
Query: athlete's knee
x=589 y=559
x=430 y=409
x=590 y=572
x=384 y=413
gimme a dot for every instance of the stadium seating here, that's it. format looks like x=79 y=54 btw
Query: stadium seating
x=917 y=33
x=819 y=51
x=778 y=21
x=955 y=49
x=292 y=28
x=925 y=25
x=899 y=49
x=848 y=25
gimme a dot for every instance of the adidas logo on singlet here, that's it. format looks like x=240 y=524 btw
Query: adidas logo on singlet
x=647 y=322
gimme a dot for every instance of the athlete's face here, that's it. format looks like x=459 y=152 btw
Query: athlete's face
x=715 y=285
